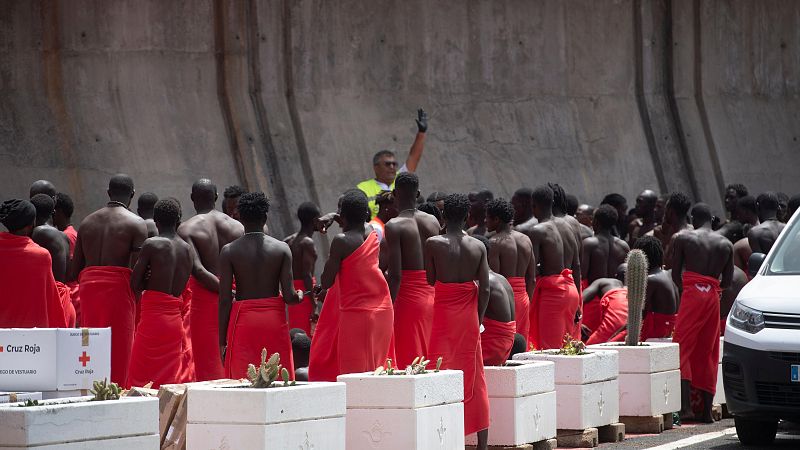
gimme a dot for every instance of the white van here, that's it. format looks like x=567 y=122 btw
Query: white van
x=761 y=355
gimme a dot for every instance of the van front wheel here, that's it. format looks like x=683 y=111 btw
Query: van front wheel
x=756 y=432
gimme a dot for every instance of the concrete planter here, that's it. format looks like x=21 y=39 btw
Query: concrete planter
x=587 y=393
x=649 y=378
x=128 y=423
x=522 y=399
x=309 y=415
x=405 y=411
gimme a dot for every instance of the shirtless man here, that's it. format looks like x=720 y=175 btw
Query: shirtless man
x=560 y=211
x=108 y=243
x=144 y=208
x=42 y=187
x=645 y=213
x=230 y=200
x=662 y=296
x=522 y=201
x=511 y=255
x=700 y=258
x=499 y=322
x=161 y=271
x=454 y=262
x=620 y=203
x=206 y=233
x=411 y=294
x=262 y=267
x=477 y=212
x=585 y=216
x=555 y=306
x=675 y=220
x=304 y=259
x=762 y=236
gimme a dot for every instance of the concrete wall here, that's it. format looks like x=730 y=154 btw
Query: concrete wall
x=293 y=97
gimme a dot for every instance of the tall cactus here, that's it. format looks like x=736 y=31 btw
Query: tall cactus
x=636 y=279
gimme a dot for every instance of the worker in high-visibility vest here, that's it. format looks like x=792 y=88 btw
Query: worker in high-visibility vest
x=385 y=165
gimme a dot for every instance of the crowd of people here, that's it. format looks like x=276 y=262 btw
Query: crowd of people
x=468 y=278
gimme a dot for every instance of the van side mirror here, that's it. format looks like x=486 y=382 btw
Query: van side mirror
x=755 y=262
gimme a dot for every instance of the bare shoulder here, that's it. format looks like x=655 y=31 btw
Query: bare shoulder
x=621 y=243
x=435 y=241
x=290 y=238
x=425 y=217
x=473 y=243
x=591 y=242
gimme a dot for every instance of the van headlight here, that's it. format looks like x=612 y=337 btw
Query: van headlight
x=746 y=319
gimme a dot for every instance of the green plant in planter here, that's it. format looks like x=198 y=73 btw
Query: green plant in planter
x=636 y=280
x=571 y=347
x=103 y=390
x=28 y=403
x=267 y=372
x=417 y=367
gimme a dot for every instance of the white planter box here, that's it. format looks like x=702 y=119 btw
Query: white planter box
x=309 y=414
x=14 y=397
x=522 y=401
x=587 y=393
x=649 y=378
x=83 y=424
x=405 y=411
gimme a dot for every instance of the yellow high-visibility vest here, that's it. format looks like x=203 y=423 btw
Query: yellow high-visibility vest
x=372 y=189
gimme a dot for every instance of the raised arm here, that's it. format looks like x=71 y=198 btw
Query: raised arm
x=415 y=154
x=395 y=259
x=225 y=298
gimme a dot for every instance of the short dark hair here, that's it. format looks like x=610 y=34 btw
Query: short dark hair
x=167 y=212
x=519 y=346
x=64 y=204
x=307 y=212
x=484 y=240
x=253 y=207
x=615 y=200
x=234 y=191
x=679 y=202
x=651 y=246
x=484 y=196
x=748 y=203
x=16 y=214
x=377 y=157
x=407 y=182
x=767 y=201
x=572 y=204
x=740 y=189
x=45 y=205
x=501 y=209
x=432 y=209
x=543 y=196
x=524 y=192
x=120 y=185
x=301 y=349
x=355 y=207
x=794 y=203
x=147 y=201
x=606 y=216
x=434 y=197
x=456 y=207
x=701 y=212
x=559 y=197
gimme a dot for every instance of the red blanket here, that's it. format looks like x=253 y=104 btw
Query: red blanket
x=455 y=337
x=613 y=315
x=323 y=359
x=300 y=314
x=365 y=310
x=697 y=330
x=254 y=325
x=553 y=307
x=72 y=236
x=496 y=341
x=108 y=301
x=522 y=305
x=29 y=296
x=187 y=373
x=204 y=323
x=156 y=354
x=65 y=295
x=413 y=315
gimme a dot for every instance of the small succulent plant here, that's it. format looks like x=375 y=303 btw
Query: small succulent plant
x=417 y=367
x=265 y=375
x=103 y=390
x=28 y=403
x=572 y=347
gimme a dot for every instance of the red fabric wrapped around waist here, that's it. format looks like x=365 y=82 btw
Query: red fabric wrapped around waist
x=496 y=341
x=700 y=284
x=553 y=307
x=204 y=324
x=323 y=359
x=522 y=305
x=300 y=314
x=614 y=315
x=414 y=287
x=157 y=347
x=256 y=324
x=65 y=294
x=413 y=317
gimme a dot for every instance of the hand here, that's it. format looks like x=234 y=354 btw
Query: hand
x=422 y=120
x=322 y=223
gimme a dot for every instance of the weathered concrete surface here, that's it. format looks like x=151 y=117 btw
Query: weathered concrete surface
x=293 y=97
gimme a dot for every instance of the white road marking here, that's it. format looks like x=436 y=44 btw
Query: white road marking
x=695 y=439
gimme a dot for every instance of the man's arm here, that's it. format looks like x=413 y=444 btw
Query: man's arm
x=207 y=279
x=586 y=256
x=676 y=246
x=415 y=154
x=395 y=259
x=430 y=267
x=78 y=260
x=483 y=284
x=576 y=266
x=138 y=237
x=592 y=291
x=290 y=295
x=727 y=271
x=752 y=239
x=530 y=273
x=138 y=282
x=225 y=298
x=308 y=261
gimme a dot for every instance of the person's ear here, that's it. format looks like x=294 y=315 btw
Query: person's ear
x=418 y=193
x=133 y=192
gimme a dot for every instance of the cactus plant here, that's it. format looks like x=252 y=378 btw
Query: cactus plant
x=417 y=367
x=103 y=390
x=636 y=280
x=267 y=372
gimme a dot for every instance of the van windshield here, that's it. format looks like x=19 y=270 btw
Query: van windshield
x=786 y=259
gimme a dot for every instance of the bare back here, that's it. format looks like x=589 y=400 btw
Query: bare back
x=662 y=295
x=109 y=237
x=741 y=253
x=762 y=236
x=407 y=235
x=169 y=263
x=454 y=258
x=510 y=254
x=57 y=244
x=602 y=254
x=260 y=264
x=207 y=233
x=555 y=247
x=702 y=251
x=304 y=256
x=501 y=299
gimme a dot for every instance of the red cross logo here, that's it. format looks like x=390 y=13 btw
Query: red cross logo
x=84 y=359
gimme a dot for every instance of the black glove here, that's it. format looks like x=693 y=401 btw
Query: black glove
x=422 y=120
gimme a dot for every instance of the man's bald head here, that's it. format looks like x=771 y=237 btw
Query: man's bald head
x=42 y=187
x=584 y=214
x=204 y=194
x=701 y=215
x=120 y=188
x=646 y=203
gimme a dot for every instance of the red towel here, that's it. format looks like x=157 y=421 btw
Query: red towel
x=204 y=323
x=300 y=314
x=323 y=359
x=365 y=310
x=496 y=341
x=29 y=296
x=254 y=325
x=186 y=374
x=697 y=330
x=108 y=301
x=157 y=350
x=613 y=315
x=72 y=236
x=522 y=305
x=553 y=307
x=413 y=316
x=455 y=337
x=66 y=304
